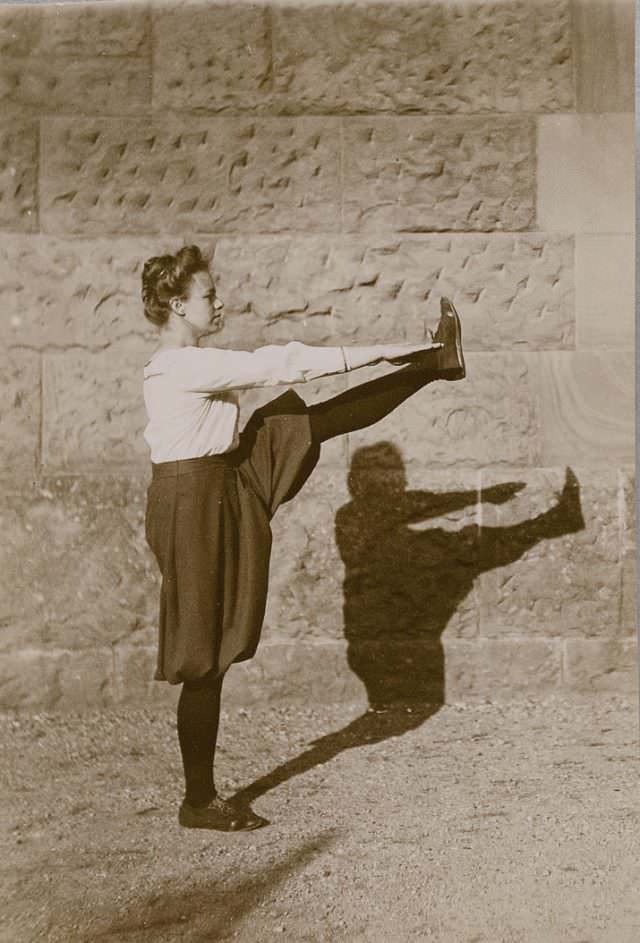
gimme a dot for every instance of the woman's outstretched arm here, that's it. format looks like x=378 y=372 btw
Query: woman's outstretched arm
x=214 y=369
x=356 y=357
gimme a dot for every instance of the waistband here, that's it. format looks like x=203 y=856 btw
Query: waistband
x=186 y=466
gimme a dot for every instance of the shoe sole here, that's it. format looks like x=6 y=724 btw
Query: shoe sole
x=221 y=828
x=186 y=821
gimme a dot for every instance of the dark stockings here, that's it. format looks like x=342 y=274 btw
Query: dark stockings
x=198 y=719
x=366 y=403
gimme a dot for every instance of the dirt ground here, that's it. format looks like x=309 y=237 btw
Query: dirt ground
x=506 y=824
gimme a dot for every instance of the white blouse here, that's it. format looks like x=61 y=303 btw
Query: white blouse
x=189 y=392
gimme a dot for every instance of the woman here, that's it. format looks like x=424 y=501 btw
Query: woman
x=214 y=490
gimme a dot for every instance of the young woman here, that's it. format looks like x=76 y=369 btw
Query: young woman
x=214 y=489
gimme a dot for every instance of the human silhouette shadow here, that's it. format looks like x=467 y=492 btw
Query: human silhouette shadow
x=403 y=586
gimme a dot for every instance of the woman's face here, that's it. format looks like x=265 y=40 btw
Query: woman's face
x=203 y=309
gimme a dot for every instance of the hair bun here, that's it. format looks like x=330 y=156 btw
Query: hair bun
x=166 y=276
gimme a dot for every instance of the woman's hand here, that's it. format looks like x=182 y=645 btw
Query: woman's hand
x=399 y=354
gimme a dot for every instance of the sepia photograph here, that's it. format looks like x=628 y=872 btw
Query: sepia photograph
x=319 y=600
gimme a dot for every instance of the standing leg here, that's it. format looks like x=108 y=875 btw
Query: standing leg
x=198 y=720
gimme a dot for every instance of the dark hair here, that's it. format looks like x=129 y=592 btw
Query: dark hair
x=169 y=276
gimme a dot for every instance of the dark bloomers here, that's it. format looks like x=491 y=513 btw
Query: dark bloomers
x=169 y=276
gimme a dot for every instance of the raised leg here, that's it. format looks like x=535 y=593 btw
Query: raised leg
x=366 y=403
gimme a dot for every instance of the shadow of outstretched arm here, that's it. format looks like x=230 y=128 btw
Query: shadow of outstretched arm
x=422 y=505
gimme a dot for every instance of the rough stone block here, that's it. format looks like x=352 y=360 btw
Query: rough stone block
x=20 y=411
x=40 y=85
x=25 y=680
x=215 y=175
x=76 y=571
x=306 y=579
x=433 y=174
x=629 y=603
x=511 y=290
x=278 y=288
x=94 y=414
x=134 y=668
x=212 y=57
x=281 y=672
x=497 y=669
x=586 y=173
x=108 y=29
x=293 y=673
x=543 y=573
x=462 y=671
x=18 y=175
x=75 y=58
x=605 y=291
x=92 y=29
x=604 y=54
x=21 y=27
x=31 y=680
x=629 y=606
x=601 y=667
x=62 y=293
x=490 y=417
x=424 y=57
x=82 y=680
x=627 y=488
x=587 y=404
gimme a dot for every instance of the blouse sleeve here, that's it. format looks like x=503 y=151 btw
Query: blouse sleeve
x=211 y=369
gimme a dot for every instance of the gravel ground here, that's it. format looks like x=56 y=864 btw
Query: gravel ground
x=501 y=823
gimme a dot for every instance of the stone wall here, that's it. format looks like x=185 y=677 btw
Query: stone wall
x=347 y=164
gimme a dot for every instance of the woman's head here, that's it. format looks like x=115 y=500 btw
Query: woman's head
x=181 y=286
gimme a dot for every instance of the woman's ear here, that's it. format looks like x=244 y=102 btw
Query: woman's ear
x=177 y=306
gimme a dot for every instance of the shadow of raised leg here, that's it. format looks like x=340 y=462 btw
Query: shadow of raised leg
x=371 y=727
x=504 y=545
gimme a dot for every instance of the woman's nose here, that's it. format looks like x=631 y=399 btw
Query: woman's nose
x=217 y=304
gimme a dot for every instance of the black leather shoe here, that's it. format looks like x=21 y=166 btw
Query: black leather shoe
x=220 y=814
x=449 y=332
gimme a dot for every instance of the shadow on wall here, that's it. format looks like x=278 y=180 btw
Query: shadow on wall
x=402 y=586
